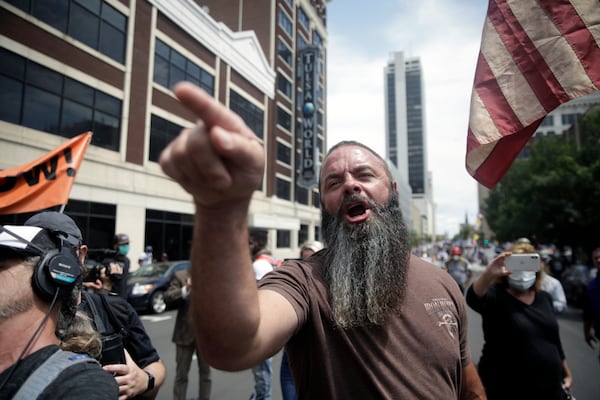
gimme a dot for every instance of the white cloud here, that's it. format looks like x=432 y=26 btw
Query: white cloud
x=445 y=35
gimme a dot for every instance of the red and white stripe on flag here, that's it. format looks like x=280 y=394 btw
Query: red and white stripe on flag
x=535 y=55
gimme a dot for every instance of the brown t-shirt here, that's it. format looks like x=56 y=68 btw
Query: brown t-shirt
x=416 y=355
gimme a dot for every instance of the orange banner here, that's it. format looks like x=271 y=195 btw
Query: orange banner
x=45 y=182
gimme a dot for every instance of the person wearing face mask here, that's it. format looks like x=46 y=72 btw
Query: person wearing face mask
x=458 y=267
x=522 y=357
x=121 y=245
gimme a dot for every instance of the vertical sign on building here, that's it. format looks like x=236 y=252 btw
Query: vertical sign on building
x=309 y=155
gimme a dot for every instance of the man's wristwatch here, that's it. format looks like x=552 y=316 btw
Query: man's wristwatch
x=150 y=381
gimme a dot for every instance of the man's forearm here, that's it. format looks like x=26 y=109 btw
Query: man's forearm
x=225 y=303
x=471 y=387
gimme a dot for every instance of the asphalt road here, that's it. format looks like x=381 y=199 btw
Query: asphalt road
x=582 y=360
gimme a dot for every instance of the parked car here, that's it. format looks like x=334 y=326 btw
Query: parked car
x=146 y=285
x=574 y=281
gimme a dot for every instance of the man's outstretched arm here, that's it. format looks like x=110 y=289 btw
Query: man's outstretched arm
x=220 y=162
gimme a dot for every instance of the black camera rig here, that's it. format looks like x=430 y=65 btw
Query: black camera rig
x=99 y=259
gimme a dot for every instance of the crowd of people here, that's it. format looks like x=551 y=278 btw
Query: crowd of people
x=360 y=317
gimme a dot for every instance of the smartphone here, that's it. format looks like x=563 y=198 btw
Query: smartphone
x=112 y=350
x=523 y=262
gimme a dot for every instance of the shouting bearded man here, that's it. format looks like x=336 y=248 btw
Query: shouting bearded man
x=361 y=319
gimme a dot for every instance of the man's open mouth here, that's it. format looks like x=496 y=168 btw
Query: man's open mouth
x=356 y=210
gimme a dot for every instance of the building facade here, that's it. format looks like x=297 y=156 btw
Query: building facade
x=108 y=66
x=406 y=141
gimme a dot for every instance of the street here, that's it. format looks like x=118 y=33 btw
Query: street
x=582 y=360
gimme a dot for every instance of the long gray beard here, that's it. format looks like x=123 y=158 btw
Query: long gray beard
x=366 y=265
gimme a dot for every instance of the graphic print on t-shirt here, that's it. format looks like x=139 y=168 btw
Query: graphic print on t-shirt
x=445 y=310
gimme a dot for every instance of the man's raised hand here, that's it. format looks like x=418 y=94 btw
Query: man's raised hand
x=220 y=161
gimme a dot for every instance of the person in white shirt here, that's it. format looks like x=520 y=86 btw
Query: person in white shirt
x=554 y=288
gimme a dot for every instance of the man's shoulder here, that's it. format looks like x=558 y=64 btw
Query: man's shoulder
x=82 y=380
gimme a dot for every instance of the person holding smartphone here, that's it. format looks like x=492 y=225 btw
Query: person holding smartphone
x=522 y=357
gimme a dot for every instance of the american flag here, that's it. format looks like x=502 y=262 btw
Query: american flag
x=535 y=55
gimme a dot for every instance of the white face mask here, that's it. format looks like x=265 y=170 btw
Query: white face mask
x=521 y=280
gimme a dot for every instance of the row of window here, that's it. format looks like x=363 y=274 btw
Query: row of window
x=565 y=119
x=93 y=22
x=40 y=98
x=165 y=231
x=37 y=97
x=171 y=67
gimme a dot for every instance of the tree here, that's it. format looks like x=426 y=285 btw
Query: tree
x=552 y=196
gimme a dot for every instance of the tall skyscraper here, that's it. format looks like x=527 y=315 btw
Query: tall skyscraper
x=406 y=144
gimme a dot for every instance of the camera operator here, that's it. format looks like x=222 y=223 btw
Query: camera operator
x=138 y=370
x=121 y=246
x=105 y=271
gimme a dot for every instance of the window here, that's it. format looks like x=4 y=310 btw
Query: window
x=283 y=189
x=169 y=232
x=317 y=39
x=316 y=199
x=284 y=153
x=96 y=220
x=548 y=121
x=283 y=238
x=39 y=98
x=171 y=67
x=93 y=22
x=285 y=23
x=284 y=52
x=252 y=115
x=569 y=119
x=284 y=119
x=162 y=132
x=284 y=85
x=302 y=43
x=302 y=234
x=301 y=195
x=303 y=19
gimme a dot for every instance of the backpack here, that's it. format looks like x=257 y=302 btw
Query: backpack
x=48 y=371
x=112 y=342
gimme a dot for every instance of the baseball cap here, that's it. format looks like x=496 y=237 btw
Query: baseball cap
x=121 y=238
x=30 y=240
x=59 y=224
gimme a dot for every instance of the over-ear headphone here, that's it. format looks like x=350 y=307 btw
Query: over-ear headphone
x=58 y=268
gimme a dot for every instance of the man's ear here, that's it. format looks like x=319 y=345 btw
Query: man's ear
x=83 y=249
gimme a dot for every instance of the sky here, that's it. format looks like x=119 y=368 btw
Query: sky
x=445 y=35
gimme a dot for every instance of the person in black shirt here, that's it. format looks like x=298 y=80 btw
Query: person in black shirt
x=522 y=357
x=121 y=245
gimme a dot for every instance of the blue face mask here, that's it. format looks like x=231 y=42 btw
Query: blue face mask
x=124 y=249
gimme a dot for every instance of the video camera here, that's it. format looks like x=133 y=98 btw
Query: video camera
x=99 y=259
